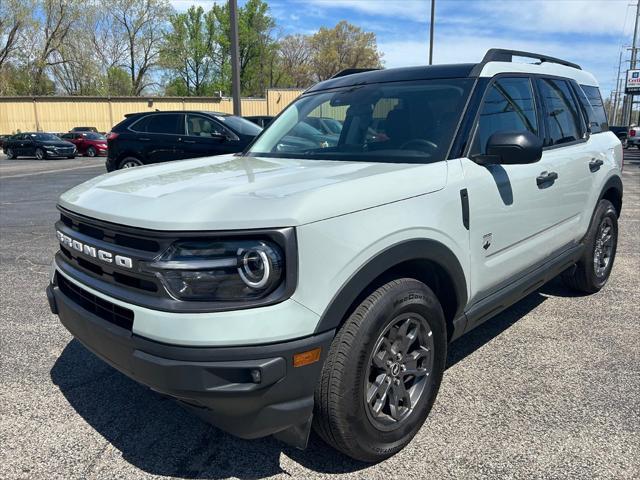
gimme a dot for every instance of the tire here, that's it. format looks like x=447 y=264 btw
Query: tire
x=9 y=153
x=71 y=157
x=594 y=267
x=40 y=154
x=91 y=152
x=130 y=162
x=358 y=364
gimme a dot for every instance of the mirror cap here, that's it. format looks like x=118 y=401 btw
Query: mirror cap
x=512 y=148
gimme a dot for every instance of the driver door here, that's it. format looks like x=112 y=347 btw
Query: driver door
x=510 y=213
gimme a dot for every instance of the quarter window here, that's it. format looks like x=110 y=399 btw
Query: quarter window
x=592 y=103
x=561 y=112
x=509 y=106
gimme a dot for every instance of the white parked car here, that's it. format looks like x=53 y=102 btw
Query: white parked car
x=317 y=282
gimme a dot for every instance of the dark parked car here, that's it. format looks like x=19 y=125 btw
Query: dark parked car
x=261 y=120
x=90 y=144
x=4 y=138
x=39 y=145
x=153 y=137
x=621 y=132
x=84 y=129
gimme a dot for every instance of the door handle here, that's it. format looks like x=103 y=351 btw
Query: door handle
x=546 y=177
x=186 y=141
x=595 y=164
x=144 y=139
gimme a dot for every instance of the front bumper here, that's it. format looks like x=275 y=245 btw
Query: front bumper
x=250 y=392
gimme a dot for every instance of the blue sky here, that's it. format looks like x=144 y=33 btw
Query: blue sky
x=588 y=32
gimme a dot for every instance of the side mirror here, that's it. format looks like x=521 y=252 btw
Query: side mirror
x=511 y=148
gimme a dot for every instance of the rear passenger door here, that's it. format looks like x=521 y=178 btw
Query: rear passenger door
x=511 y=215
x=157 y=137
x=567 y=152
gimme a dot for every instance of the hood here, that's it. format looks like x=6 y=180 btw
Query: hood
x=230 y=192
x=56 y=143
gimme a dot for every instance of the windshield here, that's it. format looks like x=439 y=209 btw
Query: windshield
x=401 y=122
x=94 y=136
x=46 y=137
x=240 y=125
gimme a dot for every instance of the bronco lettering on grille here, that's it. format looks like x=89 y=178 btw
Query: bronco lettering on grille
x=102 y=255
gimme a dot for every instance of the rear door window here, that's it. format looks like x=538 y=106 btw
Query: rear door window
x=561 y=112
x=508 y=106
x=167 y=123
x=592 y=102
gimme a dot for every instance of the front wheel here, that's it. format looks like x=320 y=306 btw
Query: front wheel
x=383 y=372
x=40 y=154
x=9 y=153
x=593 y=269
x=130 y=162
x=91 y=152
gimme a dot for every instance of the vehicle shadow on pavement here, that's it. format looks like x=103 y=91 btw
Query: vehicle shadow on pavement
x=156 y=435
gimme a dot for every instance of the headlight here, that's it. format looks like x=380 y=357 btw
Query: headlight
x=49 y=147
x=221 y=270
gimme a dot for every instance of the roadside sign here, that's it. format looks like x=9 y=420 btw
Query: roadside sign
x=633 y=82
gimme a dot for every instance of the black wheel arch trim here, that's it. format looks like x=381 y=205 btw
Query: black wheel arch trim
x=406 y=251
x=614 y=182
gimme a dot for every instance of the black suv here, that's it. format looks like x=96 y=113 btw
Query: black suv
x=154 y=137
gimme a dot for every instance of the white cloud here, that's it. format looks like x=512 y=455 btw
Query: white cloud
x=595 y=57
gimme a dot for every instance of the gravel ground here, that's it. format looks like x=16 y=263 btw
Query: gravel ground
x=548 y=389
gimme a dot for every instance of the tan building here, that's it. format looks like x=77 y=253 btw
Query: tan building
x=60 y=114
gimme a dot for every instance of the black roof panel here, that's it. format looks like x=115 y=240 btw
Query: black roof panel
x=457 y=70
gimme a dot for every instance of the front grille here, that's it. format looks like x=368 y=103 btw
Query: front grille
x=112 y=313
x=95 y=231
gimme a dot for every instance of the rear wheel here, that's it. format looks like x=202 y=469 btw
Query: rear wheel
x=593 y=269
x=130 y=162
x=40 y=154
x=91 y=152
x=9 y=153
x=383 y=372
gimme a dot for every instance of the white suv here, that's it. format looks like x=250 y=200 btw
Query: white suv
x=316 y=279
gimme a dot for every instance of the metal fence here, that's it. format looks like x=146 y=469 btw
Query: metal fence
x=60 y=114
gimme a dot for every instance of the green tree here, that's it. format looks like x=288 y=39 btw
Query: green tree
x=257 y=51
x=190 y=51
x=340 y=47
x=142 y=23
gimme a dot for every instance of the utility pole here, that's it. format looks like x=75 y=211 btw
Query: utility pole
x=433 y=21
x=617 y=92
x=235 y=60
x=634 y=53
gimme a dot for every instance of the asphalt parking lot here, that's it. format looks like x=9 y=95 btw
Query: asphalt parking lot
x=548 y=389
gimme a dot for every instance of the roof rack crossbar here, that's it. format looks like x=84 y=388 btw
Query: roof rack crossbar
x=351 y=71
x=502 y=55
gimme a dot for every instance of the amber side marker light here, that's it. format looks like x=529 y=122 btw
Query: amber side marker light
x=306 y=358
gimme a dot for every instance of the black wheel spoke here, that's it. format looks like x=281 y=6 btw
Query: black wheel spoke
x=399 y=369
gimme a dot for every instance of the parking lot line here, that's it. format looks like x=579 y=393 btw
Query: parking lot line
x=48 y=171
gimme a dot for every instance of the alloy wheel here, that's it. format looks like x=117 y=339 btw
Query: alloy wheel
x=91 y=152
x=603 y=247
x=399 y=371
x=39 y=154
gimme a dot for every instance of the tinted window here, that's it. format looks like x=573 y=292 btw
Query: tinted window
x=592 y=103
x=164 y=123
x=94 y=136
x=561 y=112
x=240 y=125
x=67 y=135
x=394 y=122
x=45 y=137
x=508 y=106
x=200 y=126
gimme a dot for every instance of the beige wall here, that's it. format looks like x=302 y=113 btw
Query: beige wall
x=60 y=114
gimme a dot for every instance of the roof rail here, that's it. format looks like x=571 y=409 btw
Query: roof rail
x=502 y=55
x=351 y=71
